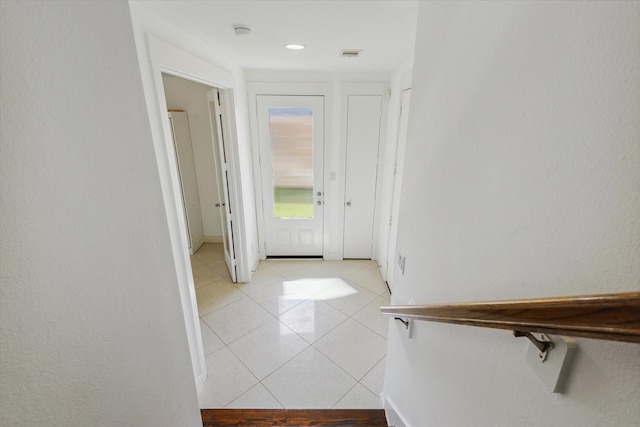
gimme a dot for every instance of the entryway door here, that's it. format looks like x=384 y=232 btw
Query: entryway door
x=291 y=140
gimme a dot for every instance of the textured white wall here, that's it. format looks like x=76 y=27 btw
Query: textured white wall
x=191 y=97
x=522 y=179
x=92 y=328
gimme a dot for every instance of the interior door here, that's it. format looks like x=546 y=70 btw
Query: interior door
x=363 y=137
x=222 y=172
x=291 y=139
x=397 y=186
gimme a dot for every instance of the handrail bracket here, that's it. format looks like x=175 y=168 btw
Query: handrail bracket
x=404 y=322
x=543 y=344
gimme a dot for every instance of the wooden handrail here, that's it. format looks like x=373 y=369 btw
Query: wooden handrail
x=614 y=317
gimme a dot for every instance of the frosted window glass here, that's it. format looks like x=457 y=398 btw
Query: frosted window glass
x=292 y=160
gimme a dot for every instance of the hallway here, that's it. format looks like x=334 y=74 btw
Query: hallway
x=301 y=334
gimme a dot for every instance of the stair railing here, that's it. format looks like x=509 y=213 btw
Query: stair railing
x=614 y=317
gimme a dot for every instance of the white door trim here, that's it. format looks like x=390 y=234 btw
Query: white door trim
x=169 y=59
x=255 y=89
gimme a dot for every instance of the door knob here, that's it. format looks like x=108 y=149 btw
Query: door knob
x=318 y=203
x=319 y=193
x=349 y=203
x=217 y=205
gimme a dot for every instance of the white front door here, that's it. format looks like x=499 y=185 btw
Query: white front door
x=364 y=115
x=291 y=139
x=222 y=172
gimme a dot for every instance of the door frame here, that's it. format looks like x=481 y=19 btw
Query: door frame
x=169 y=59
x=290 y=89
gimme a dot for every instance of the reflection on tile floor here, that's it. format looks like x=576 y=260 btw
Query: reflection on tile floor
x=301 y=334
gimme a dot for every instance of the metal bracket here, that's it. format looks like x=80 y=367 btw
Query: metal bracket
x=543 y=344
x=404 y=322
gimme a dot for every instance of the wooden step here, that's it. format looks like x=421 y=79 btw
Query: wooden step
x=293 y=417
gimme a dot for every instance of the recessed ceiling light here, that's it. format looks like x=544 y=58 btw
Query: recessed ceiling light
x=294 y=46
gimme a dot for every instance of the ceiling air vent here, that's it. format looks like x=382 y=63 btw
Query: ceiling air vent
x=351 y=53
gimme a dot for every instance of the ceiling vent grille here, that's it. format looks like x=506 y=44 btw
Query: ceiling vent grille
x=351 y=53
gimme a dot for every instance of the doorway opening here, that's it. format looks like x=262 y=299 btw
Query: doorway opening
x=197 y=126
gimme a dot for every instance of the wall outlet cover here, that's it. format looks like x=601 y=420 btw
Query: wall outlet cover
x=553 y=371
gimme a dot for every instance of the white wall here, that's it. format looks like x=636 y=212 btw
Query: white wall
x=522 y=179
x=400 y=81
x=191 y=97
x=92 y=327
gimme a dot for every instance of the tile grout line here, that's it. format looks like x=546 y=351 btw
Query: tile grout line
x=307 y=344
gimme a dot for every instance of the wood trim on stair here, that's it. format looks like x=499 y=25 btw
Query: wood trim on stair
x=614 y=317
x=293 y=417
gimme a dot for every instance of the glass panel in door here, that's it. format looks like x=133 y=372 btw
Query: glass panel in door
x=292 y=160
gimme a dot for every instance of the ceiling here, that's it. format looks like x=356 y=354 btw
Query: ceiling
x=384 y=30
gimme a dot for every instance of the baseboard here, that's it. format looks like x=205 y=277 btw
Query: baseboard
x=333 y=256
x=212 y=239
x=394 y=418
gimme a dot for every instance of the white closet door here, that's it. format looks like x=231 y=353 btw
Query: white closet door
x=188 y=181
x=363 y=138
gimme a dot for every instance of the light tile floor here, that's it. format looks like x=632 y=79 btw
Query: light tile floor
x=301 y=334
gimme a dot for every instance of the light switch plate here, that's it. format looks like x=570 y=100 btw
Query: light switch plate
x=554 y=369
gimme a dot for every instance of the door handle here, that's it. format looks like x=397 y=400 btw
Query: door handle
x=217 y=205
x=349 y=203
x=319 y=202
